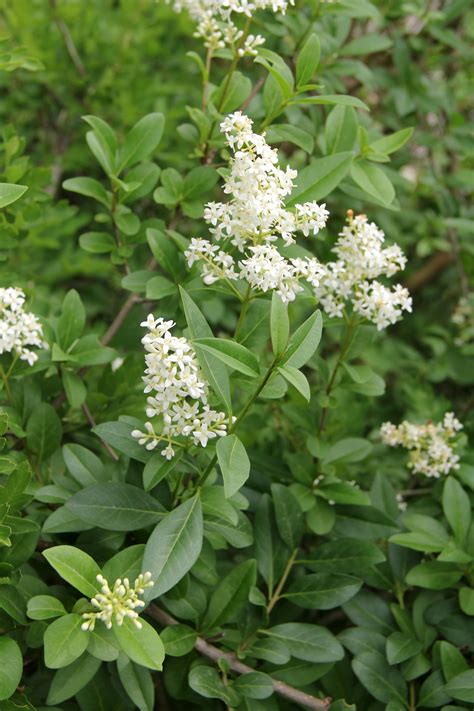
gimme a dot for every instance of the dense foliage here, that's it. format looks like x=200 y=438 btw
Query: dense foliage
x=214 y=202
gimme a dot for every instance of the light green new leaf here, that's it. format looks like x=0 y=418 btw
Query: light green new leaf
x=143 y=646
x=64 y=641
x=44 y=607
x=308 y=60
x=10 y=193
x=373 y=181
x=296 y=378
x=321 y=177
x=234 y=463
x=174 y=546
x=233 y=354
x=76 y=567
x=88 y=187
x=390 y=144
x=304 y=342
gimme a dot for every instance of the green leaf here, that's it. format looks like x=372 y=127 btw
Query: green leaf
x=143 y=646
x=466 y=600
x=159 y=287
x=322 y=591
x=321 y=177
x=119 y=435
x=115 y=506
x=71 y=679
x=351 y=449
x=308 y=60
x=390 y=144
x=157 y=468
x=10 y=193
x=174 y=546
x=206 y=682
x=311 y=643
x=215 y=371
x=457 y=509
x=452 y=661
x=43 y=431
x=74 y=388
x=102 y=142
x=82 y=464
x=384 y=683
x=366 y=44
x=234 y=463
x=64 y=641
x=88 y=187
x=401 y=646
x=233 y=354
x=285 y=132
x=296 y=378
x=288 y=515
x=97 y=242
x=76 y=567
x=434 y=575
x=198 y=181
x=232 y=94
x=72 y=320
x=461 y=686
x=344 y=555
x=102 y=643
x=13 y=603
x=179 y=640
x=332 y=100
x=373 y=181
x=231 y=595
x=341 y=129
x=137 y=682
x=44 y=607
x=433 y=691
x=304 y=342
x=142 y=140
x=279 y=324
x=127 y=563
x=11 y=667
x=254 y=685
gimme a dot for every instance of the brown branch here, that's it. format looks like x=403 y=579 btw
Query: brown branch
x=119 y=319
x=211 y=652
x=68 y=40
x=253 y=93
x=429 y=270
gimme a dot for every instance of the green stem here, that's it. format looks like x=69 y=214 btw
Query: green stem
x=412 y=702
x=348 y=338
x=239 y=419
x=276 y=595
x=243 y=311
x=4 y=376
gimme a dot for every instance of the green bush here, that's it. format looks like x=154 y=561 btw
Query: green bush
x=266 y=501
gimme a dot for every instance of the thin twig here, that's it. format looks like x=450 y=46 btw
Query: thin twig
x=211 y=652
x=68 y=40
x=119 y=319
x=93 y=423
x=429 y=270
x=253 y=93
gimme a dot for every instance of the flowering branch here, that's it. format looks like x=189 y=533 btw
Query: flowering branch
x=211 y=652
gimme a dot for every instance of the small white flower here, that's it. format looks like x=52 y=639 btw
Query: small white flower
x=116 y=603
x=430 y=450
x=19 y=330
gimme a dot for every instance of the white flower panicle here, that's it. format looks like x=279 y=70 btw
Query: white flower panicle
x=117 y=602
x=255 y=219
x=18 y=329
x=178 y=392
x=215 y=23
x=361 y=259
x=430 y=445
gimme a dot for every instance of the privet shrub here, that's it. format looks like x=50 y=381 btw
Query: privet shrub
x=234 y=469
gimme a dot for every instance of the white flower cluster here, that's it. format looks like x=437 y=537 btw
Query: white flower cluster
x=215 y=24
x=361 y=259
x=179 y=390
x=431 y=453
x=117 y=603
x=18 y=329
x=255 y=218
x=463 y=317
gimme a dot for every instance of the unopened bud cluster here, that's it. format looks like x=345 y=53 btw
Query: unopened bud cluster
x=19 y=330
x=215 y=24
x=179 y=392
x=116 y=603
x=430 y=445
